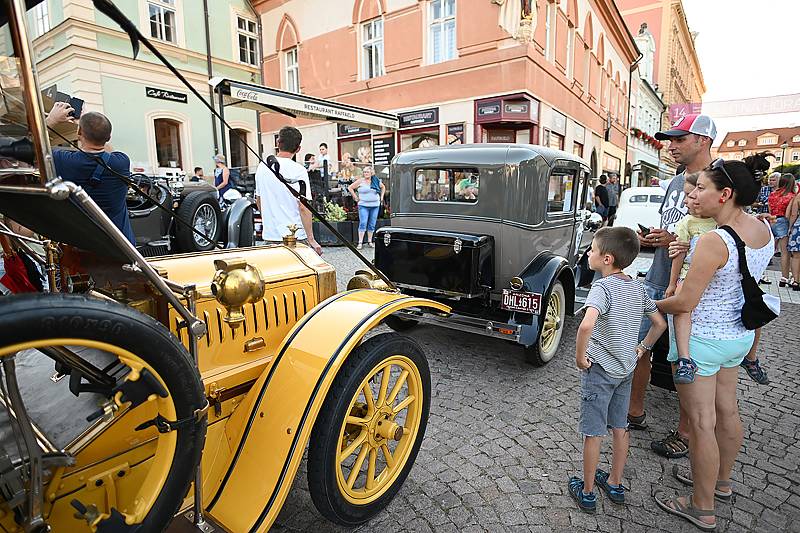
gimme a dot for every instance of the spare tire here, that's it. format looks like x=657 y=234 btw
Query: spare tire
x=201 y=211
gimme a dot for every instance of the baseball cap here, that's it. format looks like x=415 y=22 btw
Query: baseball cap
x=696 y=123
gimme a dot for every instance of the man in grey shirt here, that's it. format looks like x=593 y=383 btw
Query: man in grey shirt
x=690 y=142
x=613 y=197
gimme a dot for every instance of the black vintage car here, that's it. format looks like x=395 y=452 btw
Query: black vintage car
x=159 y=233
x=493 y=230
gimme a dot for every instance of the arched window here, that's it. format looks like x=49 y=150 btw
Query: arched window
x=168 y=143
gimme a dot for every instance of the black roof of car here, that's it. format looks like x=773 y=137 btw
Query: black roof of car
x=482 y=153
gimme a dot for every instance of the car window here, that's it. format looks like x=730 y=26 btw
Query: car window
x=560 y=190
x=447 y=185
x=656 y=198
x=638 y=199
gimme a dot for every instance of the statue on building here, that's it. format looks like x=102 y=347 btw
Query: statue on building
x=518 y=18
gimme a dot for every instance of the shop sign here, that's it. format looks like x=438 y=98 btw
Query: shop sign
x=383 y=150
x=612 y=164
x=163 y=94
x=489 y=109
x=346 y=130
x=516 y=108
x=423 y=117
x=455 y=133
x=558 y=122
x=502 y=136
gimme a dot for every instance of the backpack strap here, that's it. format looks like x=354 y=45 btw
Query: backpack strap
x=94 y=180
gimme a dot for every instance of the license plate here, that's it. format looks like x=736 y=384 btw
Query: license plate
x=525 y=302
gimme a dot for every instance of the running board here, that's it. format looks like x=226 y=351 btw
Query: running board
x=480 y=326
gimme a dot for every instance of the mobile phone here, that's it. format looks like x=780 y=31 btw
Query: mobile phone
x=645 y=230
x=77 y=107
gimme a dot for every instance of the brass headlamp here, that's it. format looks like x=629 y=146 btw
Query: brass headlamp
x=235 y=284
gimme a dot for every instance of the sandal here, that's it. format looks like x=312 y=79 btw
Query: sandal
x=637 y=422
x=685 y=510
x=754 y=370
x=783 y=282
x=685 y=369
x=586 y=502
x=685 y=477
x=672 y=446
x=616 y=493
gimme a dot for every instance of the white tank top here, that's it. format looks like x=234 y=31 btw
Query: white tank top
x=719 y=313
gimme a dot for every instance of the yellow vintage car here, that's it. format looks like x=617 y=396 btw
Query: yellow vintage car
x=182 y=392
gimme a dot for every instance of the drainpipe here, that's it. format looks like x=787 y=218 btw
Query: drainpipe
x=210 y=71
x=628 y=117
x=261 y=70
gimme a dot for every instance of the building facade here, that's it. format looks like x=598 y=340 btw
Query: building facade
x=782 y=143
x=677 y=75
x=157 y=122
x=647 y=110
x=552 y=72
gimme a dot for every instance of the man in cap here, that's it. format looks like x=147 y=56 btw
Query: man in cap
x=690 y=140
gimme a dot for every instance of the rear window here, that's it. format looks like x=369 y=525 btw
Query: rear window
x=460 y=185
x=656 y=198
x=638 y=199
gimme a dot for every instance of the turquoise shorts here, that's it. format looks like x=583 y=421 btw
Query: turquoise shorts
x=713 y=354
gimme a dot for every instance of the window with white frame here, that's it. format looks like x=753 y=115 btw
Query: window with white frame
x=742 y=142
x=41 y=19
x=548 y=32
x=570 y=58
x=796 y=139
x=162 y=20
x=730 y=144
x=795 y=156
x=778 y=157
x=292 y=69
x=442 y=30
x=372 y=48
x=247 y=35
x=763 y=141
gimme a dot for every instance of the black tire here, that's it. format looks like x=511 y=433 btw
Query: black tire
x=28 y=318
x=324 y=447
x=247 y=232
x=189 y=211
x=539 y=354
x=400 y=324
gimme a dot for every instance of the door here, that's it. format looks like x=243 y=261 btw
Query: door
x=238 y=150
x=168 y=143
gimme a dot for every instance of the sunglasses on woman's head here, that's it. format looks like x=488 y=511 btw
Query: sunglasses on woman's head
x=719 y=164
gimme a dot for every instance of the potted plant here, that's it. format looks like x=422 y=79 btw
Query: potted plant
x=337 y=217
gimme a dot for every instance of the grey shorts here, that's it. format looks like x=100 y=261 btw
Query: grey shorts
x=604 y=401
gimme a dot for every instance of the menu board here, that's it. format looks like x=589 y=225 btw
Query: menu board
x=383 y=150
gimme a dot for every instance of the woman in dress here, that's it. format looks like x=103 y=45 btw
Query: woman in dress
x=778 y=202
x=793 y=245
x=368 y=192
x=719 y=342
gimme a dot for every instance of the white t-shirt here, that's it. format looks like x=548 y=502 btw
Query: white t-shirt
x=279 y=209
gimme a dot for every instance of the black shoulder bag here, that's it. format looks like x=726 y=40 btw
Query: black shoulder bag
x=759 y=309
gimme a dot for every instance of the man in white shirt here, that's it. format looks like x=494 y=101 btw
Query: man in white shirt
x=279 y=208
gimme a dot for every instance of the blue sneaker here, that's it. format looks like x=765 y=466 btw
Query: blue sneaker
x=684 y=373
x=616 y=493
x=586 y=502
x=754 y=370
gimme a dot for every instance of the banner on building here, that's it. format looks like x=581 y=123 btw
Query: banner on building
x=678 y=111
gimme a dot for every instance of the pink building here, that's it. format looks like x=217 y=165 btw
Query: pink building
x=552 y=72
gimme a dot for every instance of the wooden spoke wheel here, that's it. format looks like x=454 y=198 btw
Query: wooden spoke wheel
x=119 y=471
x=370 y=429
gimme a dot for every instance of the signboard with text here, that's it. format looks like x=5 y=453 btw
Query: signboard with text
x=164 y=94
x=678 y=111
x=455 y=133
x=423 y=117
x=346 y=130
x=383 y=150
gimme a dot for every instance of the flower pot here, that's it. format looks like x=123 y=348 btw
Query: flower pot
x=327 y=238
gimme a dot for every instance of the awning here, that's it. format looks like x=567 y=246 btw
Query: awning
x=261 y=98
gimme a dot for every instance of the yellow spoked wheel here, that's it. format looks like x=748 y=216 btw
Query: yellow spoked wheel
x=116 y=470
x=368 y=433
x=551 y=328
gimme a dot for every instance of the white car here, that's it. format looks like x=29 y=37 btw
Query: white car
x=640 y=205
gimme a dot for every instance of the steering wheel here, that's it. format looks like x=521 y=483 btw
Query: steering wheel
x=134 y=199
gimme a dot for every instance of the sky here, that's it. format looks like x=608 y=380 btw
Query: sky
x=747 y=49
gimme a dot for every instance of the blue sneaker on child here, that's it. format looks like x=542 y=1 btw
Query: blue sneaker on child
x=684 y=371
x=616 y=493
x=586 y=502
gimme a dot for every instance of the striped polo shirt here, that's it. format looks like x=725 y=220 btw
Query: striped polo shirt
x=622 y=303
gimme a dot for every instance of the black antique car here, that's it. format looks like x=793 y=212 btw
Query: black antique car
x=493 y=230
x=159 y=232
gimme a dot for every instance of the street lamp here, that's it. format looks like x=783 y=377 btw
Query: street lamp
x=784 y=146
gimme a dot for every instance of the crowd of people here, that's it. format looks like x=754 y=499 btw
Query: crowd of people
x=695 y=281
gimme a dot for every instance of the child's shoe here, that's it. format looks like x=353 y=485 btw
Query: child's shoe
x=754 y=370
x=684 y=371
x=616 y=493
x=586 y=502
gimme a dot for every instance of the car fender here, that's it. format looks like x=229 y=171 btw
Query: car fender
x=268 y=433
x=538 y=277
x=233 y=220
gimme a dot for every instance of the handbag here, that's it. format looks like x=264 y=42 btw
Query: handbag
x=759 y=309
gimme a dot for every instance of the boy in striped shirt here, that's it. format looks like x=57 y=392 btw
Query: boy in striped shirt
x=606 y=353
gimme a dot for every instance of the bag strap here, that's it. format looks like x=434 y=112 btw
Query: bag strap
x=740 y=247
x=98 y=171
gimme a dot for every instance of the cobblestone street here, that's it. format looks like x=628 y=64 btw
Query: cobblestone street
x=502 y=441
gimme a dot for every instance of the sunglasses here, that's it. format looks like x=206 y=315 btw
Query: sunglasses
x=719 y=164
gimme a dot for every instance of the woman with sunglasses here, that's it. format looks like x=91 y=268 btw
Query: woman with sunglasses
x=778 y=201
x=719 y=341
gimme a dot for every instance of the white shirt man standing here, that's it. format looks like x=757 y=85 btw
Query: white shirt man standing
x=279 y=208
